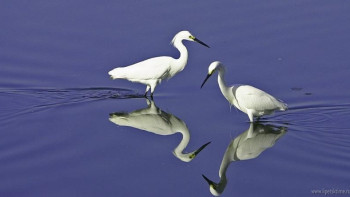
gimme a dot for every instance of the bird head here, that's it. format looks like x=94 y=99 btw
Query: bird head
x=211 y=70
x=186 y=35
x=187 y=157
x=216 y=188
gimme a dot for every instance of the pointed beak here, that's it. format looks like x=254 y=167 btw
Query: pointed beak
x=200 y=42
x=205 y=80
x=111 y=115
x=199 y=150
x=210 y=182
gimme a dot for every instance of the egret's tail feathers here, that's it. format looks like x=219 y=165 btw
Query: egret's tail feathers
x=117 y=73
x=111 y=76
x=283 y=106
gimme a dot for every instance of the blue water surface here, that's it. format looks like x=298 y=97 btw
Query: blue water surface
x=66 y=129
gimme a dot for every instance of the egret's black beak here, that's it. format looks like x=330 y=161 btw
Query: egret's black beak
x=111 y=115
x=210 y=182
x=200 y=149
x=205 y=80
x=200 y=42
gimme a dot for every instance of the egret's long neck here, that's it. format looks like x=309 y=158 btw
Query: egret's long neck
x=220 y=187
x=222 y=83
x=228 y=157
x=183 y=144
x=182 y=60
x=223 y=167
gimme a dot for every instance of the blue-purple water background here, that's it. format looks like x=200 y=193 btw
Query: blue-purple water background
x=56 y=97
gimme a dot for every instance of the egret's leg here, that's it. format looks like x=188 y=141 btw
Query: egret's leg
x=152 y=90
x=148 y=102
x=250 y=115
x=250 y=130
x=153 y=107
x=153 y=87
x=147 y=88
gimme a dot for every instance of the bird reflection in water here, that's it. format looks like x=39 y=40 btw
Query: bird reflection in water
x=249 y=145
x=154 y=120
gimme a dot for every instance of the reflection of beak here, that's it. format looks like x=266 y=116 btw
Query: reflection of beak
x=199 y=150
x=210 y=182
x=116 y=114
x=205 y=80
x=200 y=42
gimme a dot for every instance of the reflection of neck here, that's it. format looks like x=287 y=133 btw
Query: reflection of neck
x=183 y=144
x=226 y=161
x=229 y=157
x=220 y=187
x=261 y=143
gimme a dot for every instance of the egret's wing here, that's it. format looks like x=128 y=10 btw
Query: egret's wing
x=266 y=136
x=154 y=68
x=154 y=123
x=253 y=98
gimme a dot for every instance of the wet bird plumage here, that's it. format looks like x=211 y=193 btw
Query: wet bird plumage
x=248 y=99
x=153 y=71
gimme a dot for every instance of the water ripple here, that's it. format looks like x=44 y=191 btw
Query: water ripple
x=327 y=116
x=319 y=123
x=24 y=101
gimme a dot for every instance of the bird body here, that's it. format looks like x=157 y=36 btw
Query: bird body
x=157 y=121
x=248 y=99
x=255 y=100
x=152 y=71
x=248 y=145
x=140 y=72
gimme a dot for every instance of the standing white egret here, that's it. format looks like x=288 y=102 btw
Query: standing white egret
x=154 y=120
x=248 y=99
x=152 y=71
x=248 y=145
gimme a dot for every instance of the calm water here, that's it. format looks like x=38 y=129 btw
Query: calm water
x=66 y=129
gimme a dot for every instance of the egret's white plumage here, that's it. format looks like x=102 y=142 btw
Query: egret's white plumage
x=152 y=71
x=250 y=100
x=248 y=145
x=155 y=120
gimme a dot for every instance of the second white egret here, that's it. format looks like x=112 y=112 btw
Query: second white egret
x=152 y=71
x=248 y=145
x=250 y=100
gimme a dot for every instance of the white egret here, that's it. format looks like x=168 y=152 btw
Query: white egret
x=152 y=71
x=154 y=120
x=248 y=145
x=248 y=99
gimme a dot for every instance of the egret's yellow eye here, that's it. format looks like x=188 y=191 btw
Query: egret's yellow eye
x=191 y=37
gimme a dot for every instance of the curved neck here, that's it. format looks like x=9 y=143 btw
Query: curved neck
x=182 y=60
x=183 y=144
x=222 y=83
